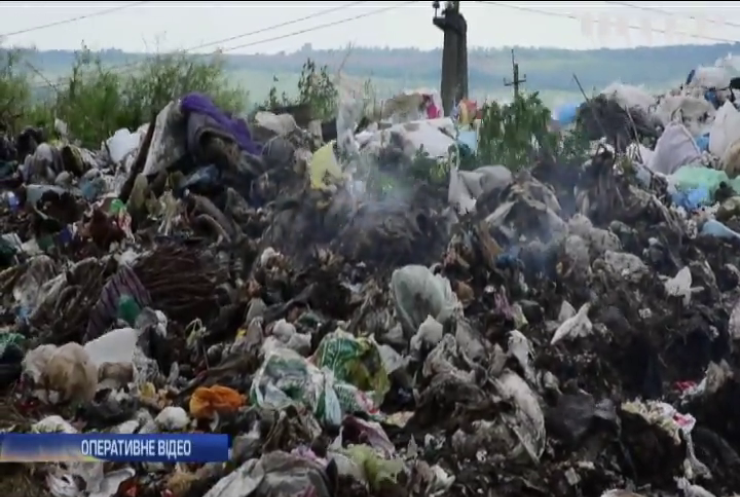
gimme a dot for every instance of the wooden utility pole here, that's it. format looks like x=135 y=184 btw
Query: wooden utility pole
x=516 y=82
x=454 y=84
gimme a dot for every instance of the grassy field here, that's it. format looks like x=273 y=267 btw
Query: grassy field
x=258 y=85
x=549 y=71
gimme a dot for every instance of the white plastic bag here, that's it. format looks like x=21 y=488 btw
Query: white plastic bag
x=680 y=285
x=629 y=96
x=711 y=77
x=576 y=326
x=725 y=130
x=122 y=143
x=675 y=148
x=116 y=346
x=282 y=124
x=418 y=293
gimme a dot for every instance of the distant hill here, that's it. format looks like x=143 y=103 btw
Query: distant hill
x=547 y=70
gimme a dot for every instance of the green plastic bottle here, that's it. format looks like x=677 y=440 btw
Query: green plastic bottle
x=128 y=310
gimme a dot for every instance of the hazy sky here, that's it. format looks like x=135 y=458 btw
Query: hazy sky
x=182 y=25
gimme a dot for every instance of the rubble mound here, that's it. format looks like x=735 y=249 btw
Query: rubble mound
x=559 y=331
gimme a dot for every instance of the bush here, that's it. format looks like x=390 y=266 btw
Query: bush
x=511 y=135
x=315 y=88
x=95 y=100
x=15 y=90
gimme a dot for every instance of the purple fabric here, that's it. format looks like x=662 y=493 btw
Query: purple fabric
x=197 y=102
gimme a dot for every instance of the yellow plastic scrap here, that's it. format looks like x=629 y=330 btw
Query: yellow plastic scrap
x=324 y=165
x=376 y=468
x=207 y=401
x=148 y=391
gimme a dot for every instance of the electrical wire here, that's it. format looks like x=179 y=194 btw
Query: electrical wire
x=74 y=19
x=129 y=67
x=252 y=33
x=322 y=26
x=640 y=28
x=133 y=65
x=675 y=14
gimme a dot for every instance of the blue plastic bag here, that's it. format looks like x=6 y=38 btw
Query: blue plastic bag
x=703 y=142
x=566 y=113
x=692 y=198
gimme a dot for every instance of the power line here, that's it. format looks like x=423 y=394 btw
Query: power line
x=74 y=19
x=674 y=14
x=322 y=26
x=639 y=28
x=132 y=65
x=252 y=33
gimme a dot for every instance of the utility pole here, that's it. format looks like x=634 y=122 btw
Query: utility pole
x=516 y=82
x=454 y=84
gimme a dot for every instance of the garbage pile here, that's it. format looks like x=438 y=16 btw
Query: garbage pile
x=491 y=339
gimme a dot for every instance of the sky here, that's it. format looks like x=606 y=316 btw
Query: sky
x=167 y=26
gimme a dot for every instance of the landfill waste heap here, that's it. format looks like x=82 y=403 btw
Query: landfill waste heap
x=562 y=331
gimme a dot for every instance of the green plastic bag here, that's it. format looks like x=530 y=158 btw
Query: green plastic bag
x=355 y=361
x=285 y=378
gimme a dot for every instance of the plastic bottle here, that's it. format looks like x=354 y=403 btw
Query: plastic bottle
x=128 y=309
x=13 y=201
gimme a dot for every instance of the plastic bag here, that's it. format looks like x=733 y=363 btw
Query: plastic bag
x=527 y=420
x=675 y=148
x=418 y=293
x=275 y=473
x=711 y=77
x=281 y=125
x=353 y=360
x=691 y=177
x=32 y=288
x=468 y=111
x=374 y=467
x=466 y=186
x=324 y=167
x=730 y=161
x=725 y=130
x=122 y=143
x=629 y=96
x=285 y=378
x=282 y=380
x=566 y=114
x=207 y=401
x=576 y=326
x=680 y=285
x=716 y=229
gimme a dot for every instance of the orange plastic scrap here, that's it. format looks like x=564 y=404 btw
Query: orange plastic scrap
x=206 y=401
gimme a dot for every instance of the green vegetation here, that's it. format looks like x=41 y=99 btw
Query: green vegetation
x=315 y=87
x=95 y=101
x=548 y=71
